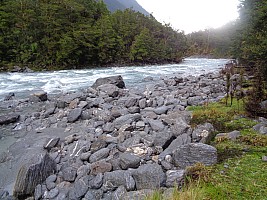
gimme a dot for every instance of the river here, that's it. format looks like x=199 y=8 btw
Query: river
x=23 y=84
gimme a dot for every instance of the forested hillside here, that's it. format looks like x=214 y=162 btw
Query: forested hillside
x=51 y=34
x=114 y=5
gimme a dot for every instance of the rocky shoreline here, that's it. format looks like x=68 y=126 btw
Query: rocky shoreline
x=106 y=142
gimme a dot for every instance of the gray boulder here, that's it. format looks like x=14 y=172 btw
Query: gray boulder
x=203 y=133
x=192 y=153
x=114 y=80
x=156 y=125
x=32 y=174
x=261 y=128
x=110 y=89
x=98 y=155
x=232 y=135
x=69 y=174
x=74 y=115
x=115 y=179
x=9 y=118
x=175 y=178
x=126 y=119
x=149 y=176
x=128 y=160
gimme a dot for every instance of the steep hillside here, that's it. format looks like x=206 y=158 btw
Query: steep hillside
x=114 y=5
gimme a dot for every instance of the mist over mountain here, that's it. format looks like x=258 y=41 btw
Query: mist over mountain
x=114 y=5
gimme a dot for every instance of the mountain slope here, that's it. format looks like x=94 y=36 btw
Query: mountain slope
x=114 y=5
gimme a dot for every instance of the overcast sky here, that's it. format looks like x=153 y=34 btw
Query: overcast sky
x=192 y=15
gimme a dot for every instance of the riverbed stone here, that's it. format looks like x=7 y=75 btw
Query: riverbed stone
x=192 y=153
x=98 y=155
x=149 y=176
x=74 y=115
x=128 y=160
x=69 y=174
x=115 y=179
x=33 y=173
x=100 y=167
x=9 y=118
x=114 y=80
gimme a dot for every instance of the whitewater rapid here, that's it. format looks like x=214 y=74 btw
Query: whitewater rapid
x=53 y=82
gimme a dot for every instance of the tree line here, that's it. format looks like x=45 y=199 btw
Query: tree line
x=62 y=34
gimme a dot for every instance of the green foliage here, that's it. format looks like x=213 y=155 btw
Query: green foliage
x=51 y=34
x=222 y=117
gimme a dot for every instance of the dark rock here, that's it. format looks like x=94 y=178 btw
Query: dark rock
x=156 y=125
x=93 y=195
x=128 y=160
x=79 y=189
x=149 y=176
x=42 y=95
x=110 y=89
x=32 y=174
x=179 y=141
x=69 y=174
x=50 y=143
x=83 y=171
x=97 y=145
x=126 y=119
x=192 y=153
x=115 y=80
x=98 y=155
x=163 y=139
x=175 y=178
x=74 y=115
x=115 y=179
x=9 y=96
x=9 y=118
x=95 y=182
x=100 y=167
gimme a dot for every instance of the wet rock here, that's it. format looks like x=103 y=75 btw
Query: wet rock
x=98 y=155
x=192 y=153
x=115 y=179
x=69 y=174
x=74 y=115
x=114 y=80
x=9 y=118
x=100 y=167
x=42 y=95
x=149 y=176
x=32 y=174
x=128 y=160
x=175 y=178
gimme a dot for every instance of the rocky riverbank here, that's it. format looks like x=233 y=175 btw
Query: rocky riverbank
x=106 y=142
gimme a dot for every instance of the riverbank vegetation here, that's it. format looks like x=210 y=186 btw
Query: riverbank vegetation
x=53 y=34
x=239 y=173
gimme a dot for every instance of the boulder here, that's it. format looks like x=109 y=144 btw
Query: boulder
x=156 y=125
x=114 y=80
x=32 y=174
x=175 y=178
x=41 y=95
x=192 y=153
x=69 y=174
x=149 y=176
x=74 y=115
x=128 y=160
x=126 y=119
x=98 y=155
x=203 y=133
x=261 y=128
x=100 y=167
x=9 y=118
x=115 y=179
x=110 y=89
x=79 y=188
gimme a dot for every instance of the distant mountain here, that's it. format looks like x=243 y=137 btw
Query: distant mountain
x=114 y=5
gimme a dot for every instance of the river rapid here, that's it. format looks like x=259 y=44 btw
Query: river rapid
x=54 y=82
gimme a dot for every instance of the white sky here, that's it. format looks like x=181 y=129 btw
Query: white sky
x=192 y=15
